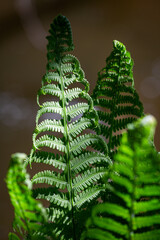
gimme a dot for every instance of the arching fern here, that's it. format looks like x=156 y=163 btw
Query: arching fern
x=75 y=180
x=134 y=215
x=115 y=96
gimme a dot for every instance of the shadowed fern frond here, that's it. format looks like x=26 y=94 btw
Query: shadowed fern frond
x=133 y=213
x=75 y=179
x=115 y=96
x=30 y=216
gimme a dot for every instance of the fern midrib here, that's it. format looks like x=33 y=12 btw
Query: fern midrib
x=66 y=135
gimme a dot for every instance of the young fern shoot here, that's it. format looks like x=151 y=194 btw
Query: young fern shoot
x=75 y=181
x=115 y=96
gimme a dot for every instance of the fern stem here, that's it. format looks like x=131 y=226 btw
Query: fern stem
x=68 y=157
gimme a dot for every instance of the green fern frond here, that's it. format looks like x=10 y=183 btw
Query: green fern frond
x=30 y=216
x=68 y=136
x=116 y=96
x=133 y=213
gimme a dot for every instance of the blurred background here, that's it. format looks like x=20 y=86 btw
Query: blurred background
x=95 y=24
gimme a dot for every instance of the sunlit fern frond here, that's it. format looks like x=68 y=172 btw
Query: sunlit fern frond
x=63 y=139
x=115 y=96
x=133 y=213
x=30 y=216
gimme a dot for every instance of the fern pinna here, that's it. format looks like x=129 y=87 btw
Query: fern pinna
x=76 y=177
x=134 y=214
x=115 y=96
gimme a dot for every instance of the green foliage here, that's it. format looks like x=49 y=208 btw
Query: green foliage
x=73 y=160
x=133 y=213
x=75 y=180
x=30 y=216
x=115 y=96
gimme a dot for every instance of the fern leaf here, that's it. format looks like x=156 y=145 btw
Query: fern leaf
x=77 y=109
x=78 y=126
x=29 y=214
x=50 y=77
x=51 y=142
x=86 y=159
x=71 y=136
x=50 y=89
x=50 y=178
x=87 y=178
x=87 y=196
x=48 y=159
x=49 y=107
x=116 y=96
x=56 y=199
x=134 y=213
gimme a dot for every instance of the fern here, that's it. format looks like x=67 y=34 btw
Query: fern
x=75 y=180
x=115 y=96
x=30 y=217
x=134 y=213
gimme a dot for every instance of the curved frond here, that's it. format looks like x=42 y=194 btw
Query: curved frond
x=71 y=137
x=115 y=93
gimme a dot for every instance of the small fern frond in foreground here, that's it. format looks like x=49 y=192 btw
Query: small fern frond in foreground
x=133 y=213
x=30 y=216
x=115 y=96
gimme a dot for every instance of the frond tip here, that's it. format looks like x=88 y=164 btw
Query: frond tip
x=60 y=39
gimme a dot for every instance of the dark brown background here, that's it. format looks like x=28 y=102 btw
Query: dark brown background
x=95 y=24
